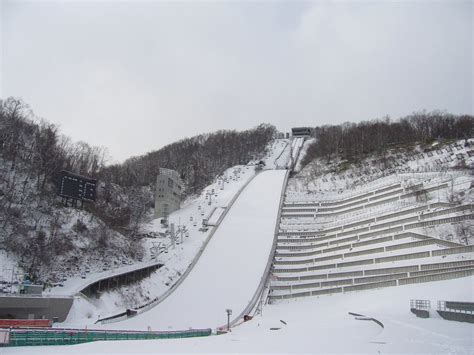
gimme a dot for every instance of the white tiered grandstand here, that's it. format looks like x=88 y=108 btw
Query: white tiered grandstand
x=369 y=239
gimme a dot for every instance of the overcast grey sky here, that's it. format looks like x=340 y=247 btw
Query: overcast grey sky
x=134 y=76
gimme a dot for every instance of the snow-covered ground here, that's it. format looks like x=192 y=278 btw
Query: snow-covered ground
x=325 y=180
x=279 y=154
x=230 y=269
x=9 y=271
x=302 y=154
x=176 y=258
x=322 y=325
x=296 y=145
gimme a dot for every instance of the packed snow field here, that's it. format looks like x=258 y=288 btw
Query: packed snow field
x=322 y=325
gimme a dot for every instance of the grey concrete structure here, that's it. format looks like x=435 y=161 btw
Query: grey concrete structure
x=31 y=307
x=118 y=280
x=301 y=132
x=169 y=188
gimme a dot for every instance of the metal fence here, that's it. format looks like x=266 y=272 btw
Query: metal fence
x=453 y=306
x=424 y=305
x=32 y=337
x=365 y=283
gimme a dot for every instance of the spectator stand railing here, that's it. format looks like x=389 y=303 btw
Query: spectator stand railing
x=459 y=307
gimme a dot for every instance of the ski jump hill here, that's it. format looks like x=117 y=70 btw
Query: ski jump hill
x=231 y=267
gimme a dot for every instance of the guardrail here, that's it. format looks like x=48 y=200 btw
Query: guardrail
x=455 y=306
x=420 y=304
x=456 y=311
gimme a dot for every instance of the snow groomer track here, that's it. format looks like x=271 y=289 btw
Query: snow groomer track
x=231 y=267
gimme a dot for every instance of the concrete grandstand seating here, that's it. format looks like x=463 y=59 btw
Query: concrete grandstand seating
x=324 y=248
x=305 y=239
x=361 y=282
x=321 y=264
x=416 y=214
x=347 y=245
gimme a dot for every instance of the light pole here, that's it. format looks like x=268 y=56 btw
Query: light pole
x=229 y=312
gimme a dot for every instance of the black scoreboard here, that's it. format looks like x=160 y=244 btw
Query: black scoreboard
x=75 y=186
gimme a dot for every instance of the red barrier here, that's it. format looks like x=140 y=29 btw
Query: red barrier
x=25 y=323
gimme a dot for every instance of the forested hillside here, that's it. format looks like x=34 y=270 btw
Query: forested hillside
x=49 y=237
x=353 y=141
x=198 y=159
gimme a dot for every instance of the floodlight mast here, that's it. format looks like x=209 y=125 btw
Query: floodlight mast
x=229 y=312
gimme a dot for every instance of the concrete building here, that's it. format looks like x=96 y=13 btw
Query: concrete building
x=169 y=188
x=301 y=132
x=35 y=307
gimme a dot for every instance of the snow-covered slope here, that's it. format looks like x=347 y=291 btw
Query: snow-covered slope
x=278 y=154
x=176 y=258
x=331 y=179
x=230 y=269
x=304 y=148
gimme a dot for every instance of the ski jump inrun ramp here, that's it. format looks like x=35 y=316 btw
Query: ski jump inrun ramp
x=231 y=267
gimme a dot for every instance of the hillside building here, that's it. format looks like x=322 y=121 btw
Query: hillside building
x=301 y=132
x=169 y=188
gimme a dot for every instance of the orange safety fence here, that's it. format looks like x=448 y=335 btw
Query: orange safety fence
x=25 y=323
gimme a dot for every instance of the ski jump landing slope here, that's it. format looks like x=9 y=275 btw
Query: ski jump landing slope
x=231 y=267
